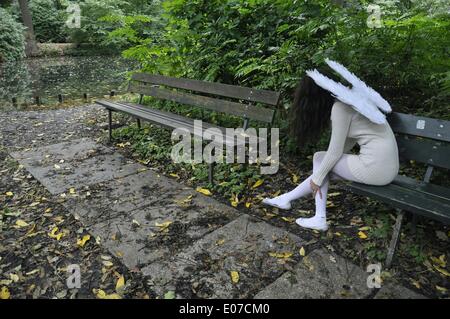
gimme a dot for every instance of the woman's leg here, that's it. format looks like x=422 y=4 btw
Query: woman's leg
x=284 y=201
x=339 y=171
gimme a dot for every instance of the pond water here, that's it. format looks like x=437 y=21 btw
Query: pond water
x=70 y=76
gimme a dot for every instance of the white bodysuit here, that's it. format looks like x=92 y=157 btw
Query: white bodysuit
x=377 y=162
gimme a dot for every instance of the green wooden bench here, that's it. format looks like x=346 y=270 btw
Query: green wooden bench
x=423 y=140
x=222 y=98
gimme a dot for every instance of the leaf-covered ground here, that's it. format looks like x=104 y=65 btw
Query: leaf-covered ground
x=39 y=237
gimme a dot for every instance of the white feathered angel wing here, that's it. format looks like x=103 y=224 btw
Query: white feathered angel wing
x=349 y=96
x=360 y=86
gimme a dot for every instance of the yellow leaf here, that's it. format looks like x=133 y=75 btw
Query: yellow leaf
x=163 y=225
x=21 y=223
x=362 y=235
x=333 y=194
x=120 y=283
x=416 y=284
x=302 y=252
x=441 y=289
x=288 y=219
x=234 y=277
x=9 y=194
x=258 y=183
x=442 y=271
x=281 y=255
x=53 y=234
x=364 y=228
x=100 y=294
x=174 y=175
x=248 y=204
x=48 y=210
x=294 y=178
x=338 y=234
x=107 y=263
x=204 y=191
x=72 y=191
x=4 y=293
x=14 y=277
x=82 y=241
x=234 y=200
x=220 y=242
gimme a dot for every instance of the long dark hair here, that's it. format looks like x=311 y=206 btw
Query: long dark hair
x=310 y=111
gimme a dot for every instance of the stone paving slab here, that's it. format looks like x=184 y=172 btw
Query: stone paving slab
x=390 y=291
x=320 y=275
x=244 y=245
x=125 y=214
x=62 y=166
x=184 y=241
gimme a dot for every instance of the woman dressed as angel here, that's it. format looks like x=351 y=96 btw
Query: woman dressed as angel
x=356 y=118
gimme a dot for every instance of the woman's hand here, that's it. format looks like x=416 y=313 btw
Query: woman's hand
x=315 y=188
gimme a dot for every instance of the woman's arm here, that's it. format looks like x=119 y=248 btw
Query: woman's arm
x=341 y=117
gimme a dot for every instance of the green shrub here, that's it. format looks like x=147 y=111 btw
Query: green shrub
x=12 y=40
x=48 y=21
x=94 y=29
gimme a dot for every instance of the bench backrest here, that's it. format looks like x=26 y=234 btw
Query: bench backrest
x=422 y=139
x=208 y=95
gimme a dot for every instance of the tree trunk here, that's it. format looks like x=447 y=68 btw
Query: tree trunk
x=31 y=48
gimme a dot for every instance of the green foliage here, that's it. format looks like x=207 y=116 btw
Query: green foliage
x=48 y=21
x=94 y=29
x=12 y=41
x=269 y=44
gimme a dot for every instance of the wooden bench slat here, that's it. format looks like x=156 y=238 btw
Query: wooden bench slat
x=427 y=188
x=233 y=108
x=225 y=90
x=406 y=199
x=167 y=119
x=424 y=151
x=420 y=126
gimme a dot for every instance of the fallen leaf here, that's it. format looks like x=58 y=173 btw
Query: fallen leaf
x=248 y=204
x=120 y=283
x=362 y=235
x=21 y=223
x=14 y=277
x=53 y=234
x=107 y=263
x=294 y=178
x=302 y=252
x=234 y=277
x=9 y=194
x=163 y=225
x=82 y=241
x=281 y=255
x=4 y=293
x=100 y=294
x=258 y=183
x=441 y=289
x=169 y=295
x=204 y=191
x=72 y=191
x=288 y=219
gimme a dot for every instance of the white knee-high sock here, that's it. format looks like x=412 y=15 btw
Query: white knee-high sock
x=319 y=221
x=284 y=201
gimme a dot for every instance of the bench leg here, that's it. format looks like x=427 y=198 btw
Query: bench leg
x=138 y=121
x=211 y=173
x=110 y=124
x=395 y=238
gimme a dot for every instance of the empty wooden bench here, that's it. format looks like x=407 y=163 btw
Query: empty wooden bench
x=223 y=98
x=423 y=140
